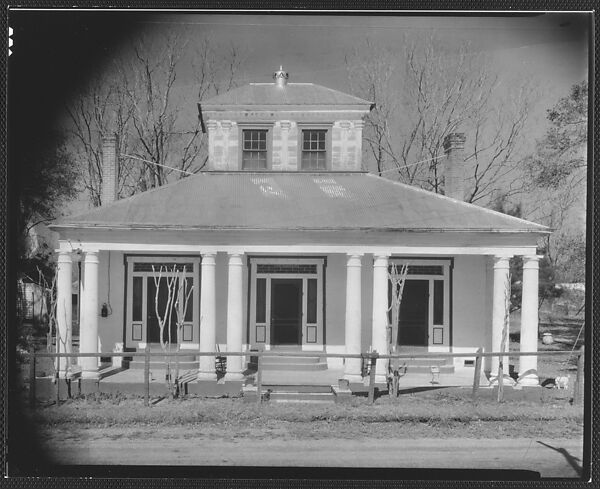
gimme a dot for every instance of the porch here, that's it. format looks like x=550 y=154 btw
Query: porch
x=456 y=297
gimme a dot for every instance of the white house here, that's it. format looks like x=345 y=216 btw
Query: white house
x=287 y=242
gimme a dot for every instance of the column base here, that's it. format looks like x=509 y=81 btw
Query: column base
x=506 y=380
x=207 y=376
x=380 y=378
x=529 y=380
x=354 y=378
x=234 y=376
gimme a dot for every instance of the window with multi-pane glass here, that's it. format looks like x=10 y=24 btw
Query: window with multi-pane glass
x=254 y=149
x=314 y=154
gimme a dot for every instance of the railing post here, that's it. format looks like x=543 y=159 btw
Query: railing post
x=147 y=375
x=578 y=390
x=32 y=377
x=258 y=379
x=374 y=356
x=477 y=373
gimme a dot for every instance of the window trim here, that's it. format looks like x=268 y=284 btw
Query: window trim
x=328 y=144
x=260 y=127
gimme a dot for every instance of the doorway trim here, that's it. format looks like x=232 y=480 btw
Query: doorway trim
x=135 y=332
x=439 y=332
x=289 y=267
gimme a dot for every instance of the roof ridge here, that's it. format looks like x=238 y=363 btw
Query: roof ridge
x=458 y=201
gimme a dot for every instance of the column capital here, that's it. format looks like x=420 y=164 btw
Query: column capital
x=354 y=259
x=211 y=125
x=531 y=261
x=286 y=125
x=380 y=259
x=235 y=258
x=64 y=256
x=501 y=262
x=91 y=256
x=208 y=258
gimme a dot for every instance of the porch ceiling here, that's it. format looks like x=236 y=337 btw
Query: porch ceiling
x=296 y=201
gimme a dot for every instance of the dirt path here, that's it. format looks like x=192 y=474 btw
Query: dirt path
x=179 y=446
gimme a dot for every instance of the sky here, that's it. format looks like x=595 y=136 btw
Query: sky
x=55 y=53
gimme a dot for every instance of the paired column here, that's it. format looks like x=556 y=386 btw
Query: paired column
x=64 y=306
x=529 y=321
x=235 y=316
x=207 y=317
x=353 y=317
x=380 y=317
x=500 y=311
x=88 y=329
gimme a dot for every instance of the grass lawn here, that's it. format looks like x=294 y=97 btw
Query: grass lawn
x=441 y=413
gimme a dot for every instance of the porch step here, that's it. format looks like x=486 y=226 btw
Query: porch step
x=293 y=393
x=428 y=362
x=426 y=369
x=311 y=397
x=294 y=365
x=187 y=364
x=294 y=360
x=299 y=388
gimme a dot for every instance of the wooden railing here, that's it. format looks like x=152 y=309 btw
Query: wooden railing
x=371 y=357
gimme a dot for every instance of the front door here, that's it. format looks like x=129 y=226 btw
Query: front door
x=413 y=322
x=286 y=311
x=153 y=332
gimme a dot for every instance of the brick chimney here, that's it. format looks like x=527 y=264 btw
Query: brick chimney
x=454 y=178
x=109 y=170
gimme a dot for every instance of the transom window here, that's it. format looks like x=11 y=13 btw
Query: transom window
x=314 y=153
x=254 y=149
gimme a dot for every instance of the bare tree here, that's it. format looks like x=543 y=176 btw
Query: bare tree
x=178 y=294
x=439 y=93
x=397 y=280
x=141 y=99
x=101 y=110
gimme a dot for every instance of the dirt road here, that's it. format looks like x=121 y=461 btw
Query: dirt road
x=551 y=458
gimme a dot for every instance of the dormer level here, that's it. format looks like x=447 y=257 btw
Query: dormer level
x=284 y=126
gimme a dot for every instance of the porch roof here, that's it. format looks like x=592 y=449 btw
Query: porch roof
x=296 y=201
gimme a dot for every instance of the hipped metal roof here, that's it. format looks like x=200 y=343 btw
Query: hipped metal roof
x=294 y=94
x=296 y=200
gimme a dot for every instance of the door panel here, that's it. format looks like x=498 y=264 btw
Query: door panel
x=286 y=311
x=153 y=330
x=413 y=324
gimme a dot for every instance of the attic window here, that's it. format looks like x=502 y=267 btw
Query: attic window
x=314 y=153
x=254 y=149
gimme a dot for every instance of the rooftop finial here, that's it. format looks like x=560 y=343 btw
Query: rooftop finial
x=280 y=77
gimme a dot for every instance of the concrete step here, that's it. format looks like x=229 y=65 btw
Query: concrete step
x=426 y=369
x=161 y=365
x=301 y=397
x=289 y=359
x=298 y=388
x=295 y=366
x=428 y=362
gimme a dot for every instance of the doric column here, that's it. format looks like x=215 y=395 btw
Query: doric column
x=234 y=316
x=380 y=317
x=207 y=316
x=529 y=321
x=500 y=310
x=353 y=316
x=88 y=329
x=64 y=305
